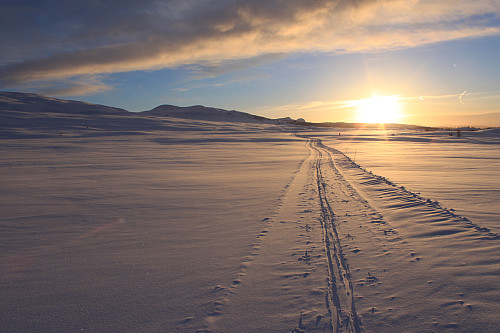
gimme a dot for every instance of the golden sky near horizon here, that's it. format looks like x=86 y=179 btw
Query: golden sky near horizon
x=312 y=59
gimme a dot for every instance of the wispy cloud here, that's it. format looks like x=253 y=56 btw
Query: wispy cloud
x=324 y=105
x=222 y=74
x=458 y=96
x=224 y=66
x=78 y=86
x=78 y=39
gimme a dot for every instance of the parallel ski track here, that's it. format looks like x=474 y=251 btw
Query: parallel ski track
x=340 y=288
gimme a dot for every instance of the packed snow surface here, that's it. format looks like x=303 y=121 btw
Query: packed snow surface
x=120 y=222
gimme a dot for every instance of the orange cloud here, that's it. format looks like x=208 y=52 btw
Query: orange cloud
x=172 y=33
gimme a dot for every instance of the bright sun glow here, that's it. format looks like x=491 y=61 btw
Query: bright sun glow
x=379 y=109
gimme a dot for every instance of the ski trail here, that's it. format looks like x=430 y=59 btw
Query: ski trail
x=348 y=251
x=397 y=261
x=340 y=287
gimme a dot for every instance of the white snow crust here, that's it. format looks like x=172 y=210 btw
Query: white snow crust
x=205 y=222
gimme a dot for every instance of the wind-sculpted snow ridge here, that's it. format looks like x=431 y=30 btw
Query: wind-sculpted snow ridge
x=418 y=199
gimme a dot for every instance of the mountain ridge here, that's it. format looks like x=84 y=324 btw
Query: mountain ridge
x=17 y=101
x=200 y=112
x=31 y=104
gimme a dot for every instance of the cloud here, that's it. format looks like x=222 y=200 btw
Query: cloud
x=76 y=88
x=240 y=79
x=220 y=67
x=339 y=110
x=326 y=105
x=93 y=37
x=461 y=96
x=442 y=97
x=79 y=86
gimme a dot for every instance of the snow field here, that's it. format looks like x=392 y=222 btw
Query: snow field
x=113 y=221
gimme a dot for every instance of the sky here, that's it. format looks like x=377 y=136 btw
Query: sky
x=438 y=61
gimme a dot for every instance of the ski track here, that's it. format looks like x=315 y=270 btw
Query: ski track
x=350 y=227
x=340 y=287
x=382 y=273
x=388 y=261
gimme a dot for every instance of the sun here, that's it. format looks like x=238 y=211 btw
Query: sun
x=379 y=109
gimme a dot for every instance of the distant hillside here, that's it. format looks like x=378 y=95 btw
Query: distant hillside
x=34 y=116
x=15 y=101
x=23 y=110
x=38 y=104
x=24 y=115
x=199 y=112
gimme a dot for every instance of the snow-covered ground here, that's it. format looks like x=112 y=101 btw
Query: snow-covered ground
x=120 y=222
x=462 y=173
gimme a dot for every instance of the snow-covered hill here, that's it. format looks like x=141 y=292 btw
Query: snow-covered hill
x=31 y=115
x=199 y=112
x=11 y=102
x=16 y=101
